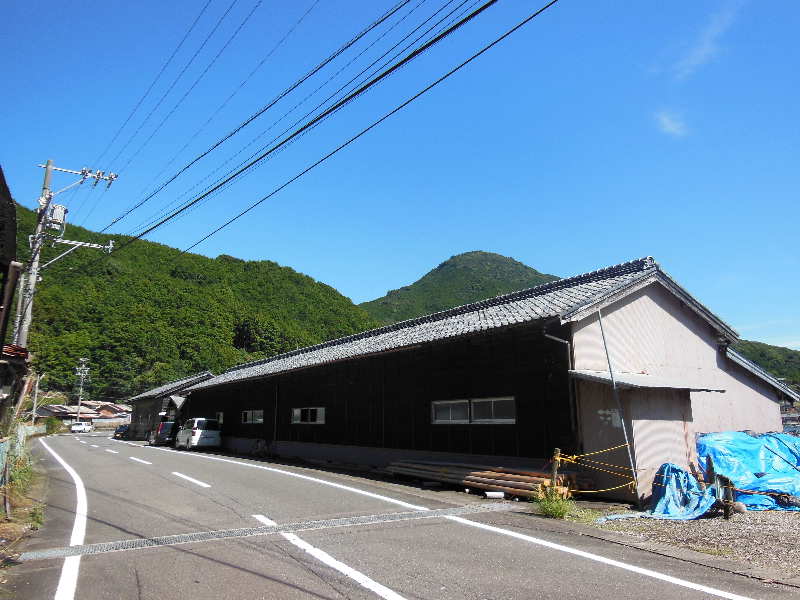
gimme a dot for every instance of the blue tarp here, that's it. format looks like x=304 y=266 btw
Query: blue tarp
x=767 y=462
x=676 y=496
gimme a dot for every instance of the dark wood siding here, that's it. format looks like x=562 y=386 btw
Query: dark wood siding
x=385 y=401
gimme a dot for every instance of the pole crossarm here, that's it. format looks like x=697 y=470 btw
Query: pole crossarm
x=53 y=217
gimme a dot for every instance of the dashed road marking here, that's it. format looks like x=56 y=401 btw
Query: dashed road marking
x=139 y=460
x=112 y=451
x=94 y=445
x=192 y=479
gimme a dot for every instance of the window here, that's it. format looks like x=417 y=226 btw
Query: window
x=219 y=417
x=494 y=410
x=474 y=410
x=252 y=417
x=450 y=411
x=314 y=416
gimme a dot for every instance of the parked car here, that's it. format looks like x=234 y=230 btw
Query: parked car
x=121 y=432
x=163 y=434
x=198 y=432
x=80 y=428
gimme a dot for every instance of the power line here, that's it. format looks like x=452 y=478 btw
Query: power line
x=236 y=91
x=316 y=120
x=153 y=83
x=174 y=82
x=175 y=202
x=373 y=125
x=194 y=84
x=262 y=110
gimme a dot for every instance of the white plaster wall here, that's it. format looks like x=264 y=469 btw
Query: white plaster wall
x=601 y=428
x=651 y=331
x=662 y=432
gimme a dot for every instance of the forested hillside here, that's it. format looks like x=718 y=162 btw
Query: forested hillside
x=148 y=314
x=462 y=279
x=781 y=362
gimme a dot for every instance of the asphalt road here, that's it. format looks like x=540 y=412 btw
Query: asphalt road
x=255 y=529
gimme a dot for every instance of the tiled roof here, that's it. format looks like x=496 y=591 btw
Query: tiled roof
x=173 y=386
x=556 y=299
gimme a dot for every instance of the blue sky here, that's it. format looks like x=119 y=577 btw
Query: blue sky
x=599 y=133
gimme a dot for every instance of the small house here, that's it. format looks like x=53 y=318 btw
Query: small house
x=159 y=404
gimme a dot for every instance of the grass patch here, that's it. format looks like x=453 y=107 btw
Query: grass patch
x=20 y=473
x=36 y=516
x=588 y=516
x=54 y=425
x=551 y=504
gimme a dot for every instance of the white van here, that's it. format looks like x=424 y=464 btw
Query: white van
x=80 y=428
x=198 y=432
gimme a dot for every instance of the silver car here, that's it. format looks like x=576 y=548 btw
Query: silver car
x=198 y=432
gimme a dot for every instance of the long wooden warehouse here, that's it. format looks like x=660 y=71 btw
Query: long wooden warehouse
x=507 y=380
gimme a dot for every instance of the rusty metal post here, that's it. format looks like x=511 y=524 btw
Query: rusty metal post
x=556 y=463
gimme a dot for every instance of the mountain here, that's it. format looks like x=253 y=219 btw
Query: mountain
x=148 y=314
x=462 y=279
x=781 y=362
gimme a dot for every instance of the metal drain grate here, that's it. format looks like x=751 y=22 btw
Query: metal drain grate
x=206 y=536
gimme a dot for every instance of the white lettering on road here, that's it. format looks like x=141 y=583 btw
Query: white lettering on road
x=69 y=572
x=327 y=559
x=139 y=460
x=187 y=478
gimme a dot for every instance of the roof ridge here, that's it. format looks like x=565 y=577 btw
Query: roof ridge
x=631 y=266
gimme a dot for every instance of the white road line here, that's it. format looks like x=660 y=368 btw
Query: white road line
x=187 y=478
x=112 y=451
x=291 y=474
x=601 y=559
x=68 y=581
x=144 y=462
x=508 y=532
x=327 y=559
x=94 y=445
x=81 y=441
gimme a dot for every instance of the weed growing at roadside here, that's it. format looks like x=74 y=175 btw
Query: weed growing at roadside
x=20 y=473
x=53 y=425
x=551 y=504
x=37 y=516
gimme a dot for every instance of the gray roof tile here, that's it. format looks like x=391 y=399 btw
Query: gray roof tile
x=174 y=386
x=550 y=300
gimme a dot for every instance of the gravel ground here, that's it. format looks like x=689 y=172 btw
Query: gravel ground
x=764 y=539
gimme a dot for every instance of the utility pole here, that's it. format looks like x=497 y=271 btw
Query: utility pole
x=36 y=397
x=49 y=216
x=81 y=371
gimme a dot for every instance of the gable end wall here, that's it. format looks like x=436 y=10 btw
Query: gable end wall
x=651 y=331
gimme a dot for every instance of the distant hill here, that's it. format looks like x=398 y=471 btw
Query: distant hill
x=781 y=362
x=462 y=279
x=475 y=276
x=149 y=314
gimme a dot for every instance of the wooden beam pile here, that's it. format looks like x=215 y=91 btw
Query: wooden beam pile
x=514 y=482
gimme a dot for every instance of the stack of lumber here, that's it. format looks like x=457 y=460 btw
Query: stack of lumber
x=514 y=482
